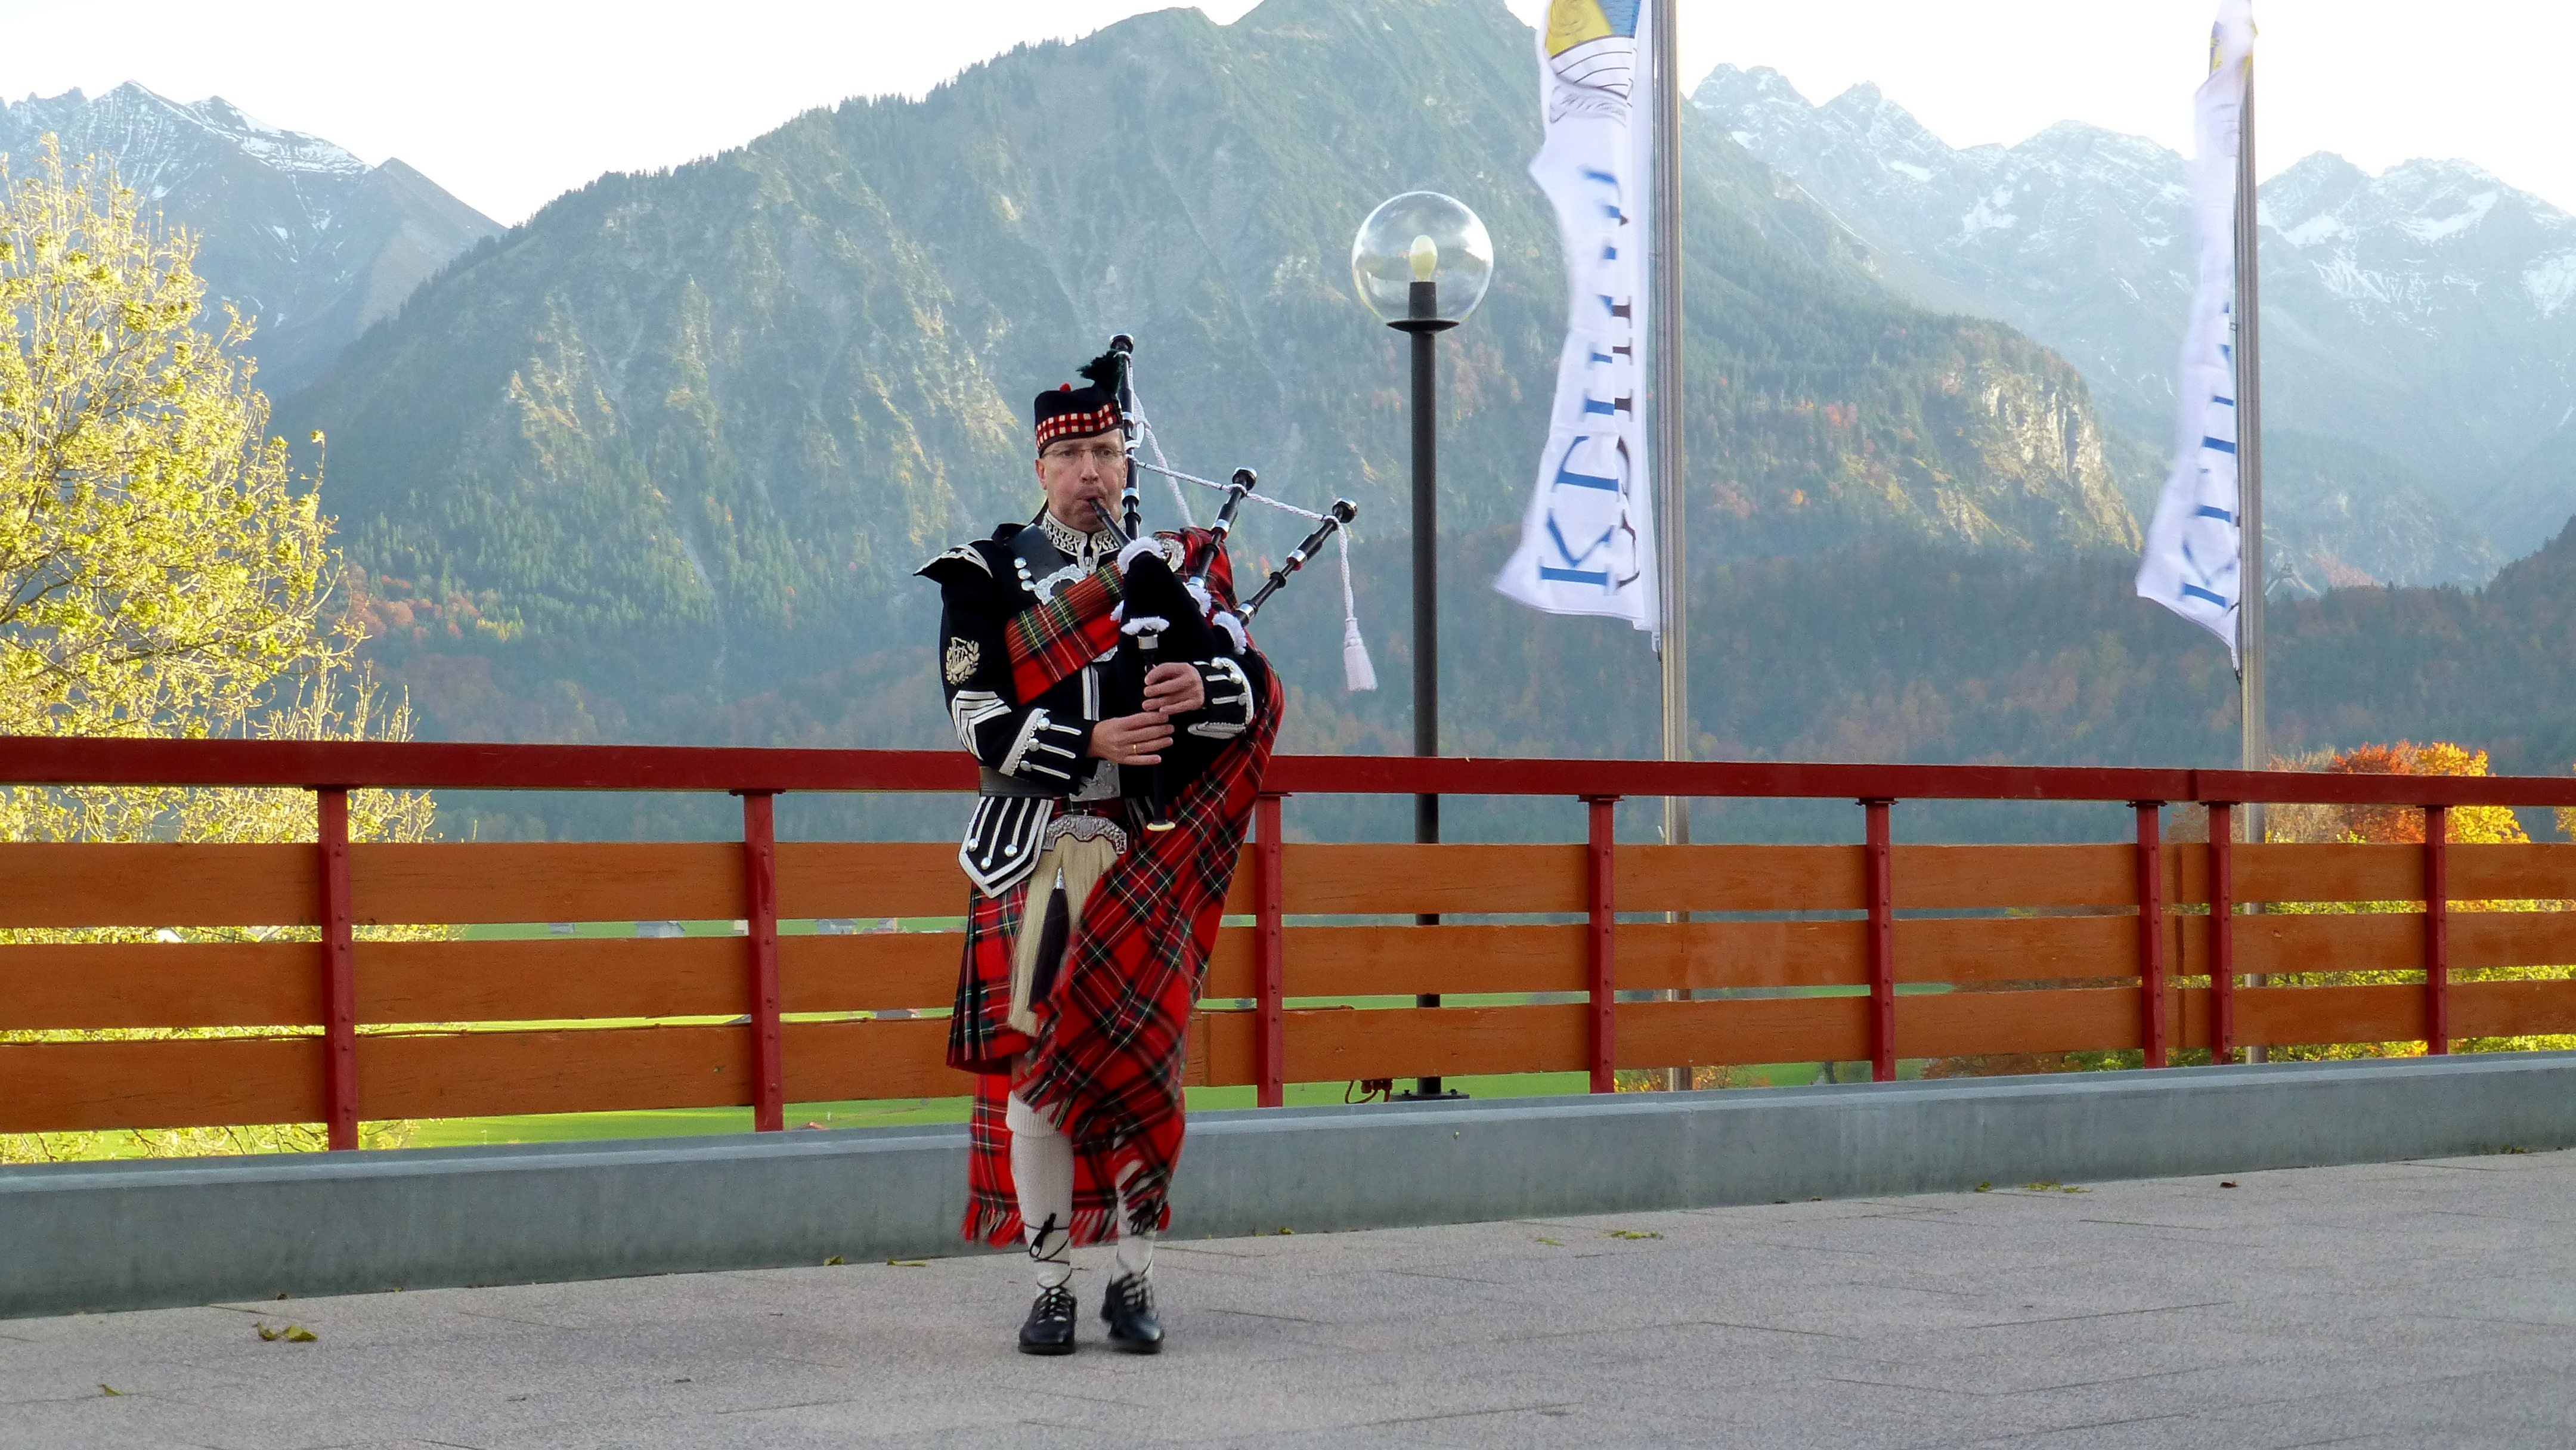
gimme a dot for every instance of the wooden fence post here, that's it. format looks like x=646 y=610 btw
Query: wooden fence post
x=1877 y=860
x=1599 y=856
x=1269 y=957
x=2151 y=929
x=339 y=970
x=2437 y=929
x=760 y=909
x=2222 y=931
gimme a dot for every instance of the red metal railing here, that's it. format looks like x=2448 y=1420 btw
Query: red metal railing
x=354 y=885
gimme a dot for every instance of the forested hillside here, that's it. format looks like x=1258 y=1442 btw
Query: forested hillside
x=678 y=441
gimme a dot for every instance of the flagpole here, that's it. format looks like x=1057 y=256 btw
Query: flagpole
x=2249 y=477
x=1672 y=565
x=2249 y=458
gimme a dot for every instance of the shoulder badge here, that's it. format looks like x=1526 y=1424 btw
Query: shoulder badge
x=962 y=658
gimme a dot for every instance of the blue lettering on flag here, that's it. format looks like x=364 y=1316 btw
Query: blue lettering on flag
x=2219 y=444
x=1566 y=551
x=1592 y=405
x=1565 y=473
x=2194 y=591
x=2205 y=511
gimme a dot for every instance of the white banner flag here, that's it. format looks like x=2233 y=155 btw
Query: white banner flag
x=1588 y=541
x=2191 y=565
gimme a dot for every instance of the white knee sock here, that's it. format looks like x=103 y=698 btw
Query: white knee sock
x=1042 y=1171
x=1135 y=1245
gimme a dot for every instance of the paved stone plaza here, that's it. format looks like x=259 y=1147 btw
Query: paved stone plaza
x=2413 y=1304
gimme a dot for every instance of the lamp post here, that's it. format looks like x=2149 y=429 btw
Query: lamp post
x=1421 y=262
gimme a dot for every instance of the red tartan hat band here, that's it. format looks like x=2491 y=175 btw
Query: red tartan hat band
x=1071 y=412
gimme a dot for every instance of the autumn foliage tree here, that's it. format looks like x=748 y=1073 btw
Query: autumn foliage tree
x=162 y=569
x=159 y=567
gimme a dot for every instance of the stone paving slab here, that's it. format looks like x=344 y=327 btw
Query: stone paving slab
x=2396 y=1304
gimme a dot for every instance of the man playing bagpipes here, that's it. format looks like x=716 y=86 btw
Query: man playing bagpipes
x=1099 y=854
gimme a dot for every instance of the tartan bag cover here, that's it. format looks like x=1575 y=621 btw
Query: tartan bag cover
x=1051 y=640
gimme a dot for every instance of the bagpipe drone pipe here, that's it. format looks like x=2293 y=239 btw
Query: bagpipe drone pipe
x=1179 y=602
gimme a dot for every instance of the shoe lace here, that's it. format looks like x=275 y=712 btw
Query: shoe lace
x=1055 y=1303
x=1136 y=1292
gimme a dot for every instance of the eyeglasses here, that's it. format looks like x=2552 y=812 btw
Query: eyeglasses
x=1103 y=454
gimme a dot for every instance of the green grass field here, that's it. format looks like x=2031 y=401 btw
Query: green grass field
x=898 y=1112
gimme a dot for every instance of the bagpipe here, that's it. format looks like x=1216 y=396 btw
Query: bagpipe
x=1179 y=601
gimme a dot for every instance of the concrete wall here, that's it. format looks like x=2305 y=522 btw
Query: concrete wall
x=144 y=1234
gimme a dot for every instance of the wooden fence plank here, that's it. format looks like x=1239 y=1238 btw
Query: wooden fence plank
x=479 y=1074
x=2186 y=873
x=1738 y=878
x=161 y=984
x=2330 y=941
x=869 y=879
x=868 y=972
x=1341 y=1045
x=2329 y=873
x=553 y=979
x=2016 y=949
x=1775 y=1029
x=73 y=885
x=837 y=1061
x=1966 y=1024
x=2512 y=938
x=2300 y=1016
x=2513 y=1009
x=1667 y=955
x=2535 y=871
x=1221 y=1049
x=1355 y=880
x=1973 y=876
x=171 y=1083
x=516 y=881
x=1359 y=961
x=1230 y=969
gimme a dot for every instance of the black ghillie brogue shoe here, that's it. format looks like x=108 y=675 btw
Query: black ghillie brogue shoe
x=1050 y=1326
x=1129 y=1308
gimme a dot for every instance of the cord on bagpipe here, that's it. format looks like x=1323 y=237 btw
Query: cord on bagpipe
x=1357 y=671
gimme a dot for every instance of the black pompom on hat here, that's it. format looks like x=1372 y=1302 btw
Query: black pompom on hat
x=1066 y=411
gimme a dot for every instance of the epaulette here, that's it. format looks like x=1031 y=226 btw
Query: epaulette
x=953 y=562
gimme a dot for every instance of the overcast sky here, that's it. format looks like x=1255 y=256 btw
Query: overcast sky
x=509 y=104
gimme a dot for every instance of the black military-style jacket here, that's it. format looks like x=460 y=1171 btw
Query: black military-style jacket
x=1036 y=754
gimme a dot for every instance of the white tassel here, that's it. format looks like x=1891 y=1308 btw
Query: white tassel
x=1357 y=672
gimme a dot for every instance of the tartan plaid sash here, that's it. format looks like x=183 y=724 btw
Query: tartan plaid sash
x=1107 y=1060
x=1049 y=641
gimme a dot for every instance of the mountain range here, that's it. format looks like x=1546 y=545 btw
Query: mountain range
x=292 y=230
x=2419 y=364
x=680 y=438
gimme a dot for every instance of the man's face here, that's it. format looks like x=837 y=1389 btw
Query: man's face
x=1079 y=472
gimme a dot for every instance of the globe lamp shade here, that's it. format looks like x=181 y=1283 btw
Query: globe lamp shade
x=1422 y=261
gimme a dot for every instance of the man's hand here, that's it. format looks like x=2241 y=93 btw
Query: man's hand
x=1174 y=689
x=1135 y=739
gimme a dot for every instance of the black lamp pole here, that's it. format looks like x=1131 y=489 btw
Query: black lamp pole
x=1422 y=319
